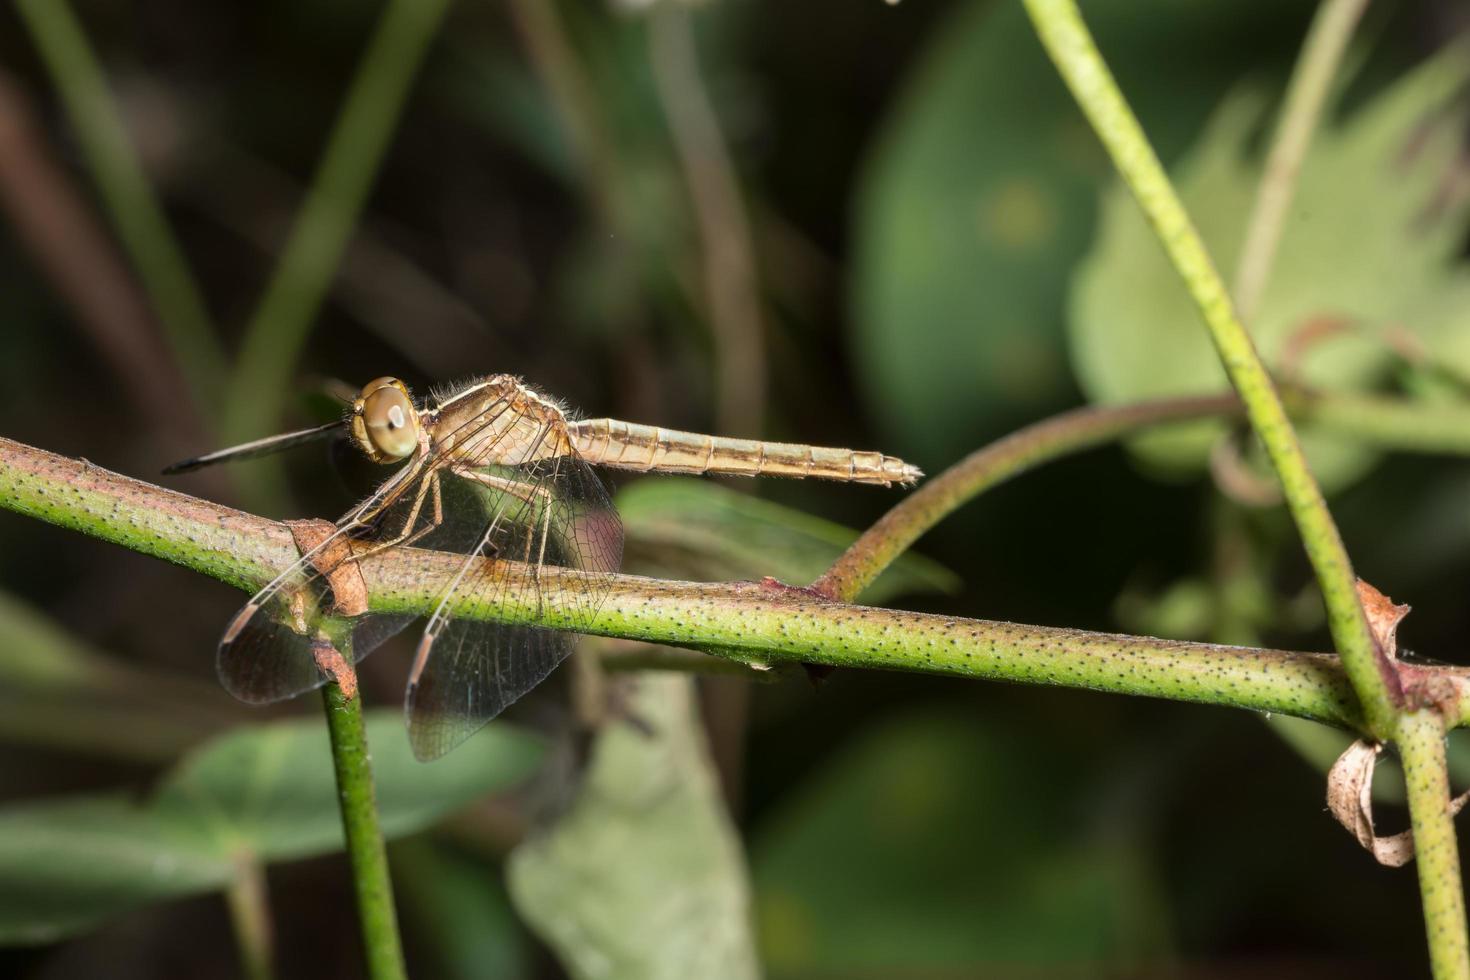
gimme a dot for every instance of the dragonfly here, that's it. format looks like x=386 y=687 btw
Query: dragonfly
x=489 y=469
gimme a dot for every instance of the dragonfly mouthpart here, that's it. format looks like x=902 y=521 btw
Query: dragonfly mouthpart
x=385 y=425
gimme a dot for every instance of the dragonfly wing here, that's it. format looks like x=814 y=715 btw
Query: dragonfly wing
x=274 y=647
x=282 y=642
x=552 y=512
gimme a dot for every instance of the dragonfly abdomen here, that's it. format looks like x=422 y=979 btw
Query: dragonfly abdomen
x=628 y=445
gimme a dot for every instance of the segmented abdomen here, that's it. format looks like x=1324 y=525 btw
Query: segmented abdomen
x=630 y=446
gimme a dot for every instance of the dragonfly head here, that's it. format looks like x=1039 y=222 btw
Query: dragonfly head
x=385 y=424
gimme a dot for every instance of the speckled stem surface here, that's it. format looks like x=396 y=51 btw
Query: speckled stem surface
x=1421 y=747
x=764 y=622
x=371 y=883
x=1060 y=26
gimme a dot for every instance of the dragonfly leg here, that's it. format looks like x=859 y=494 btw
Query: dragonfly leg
x=520 y=492
x=408 y=535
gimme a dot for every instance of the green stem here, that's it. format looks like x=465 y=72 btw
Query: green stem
x=365 y=846
x=1066 y=38
x=1385 y=422
x=278 y=330
x=1311 y=80
x=1421 y=747
x=250 y=918
x=761 y=623
x=136 y=213
x=991 y=465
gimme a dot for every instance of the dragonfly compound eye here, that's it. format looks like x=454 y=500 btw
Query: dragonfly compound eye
x=386 y=424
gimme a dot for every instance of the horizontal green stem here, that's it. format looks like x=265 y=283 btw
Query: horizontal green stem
x=1064 y=34
x=769 y=622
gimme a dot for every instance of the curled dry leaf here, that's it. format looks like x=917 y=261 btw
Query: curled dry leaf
x=1383 y=617
x=1350 y=781
x=1350 y=798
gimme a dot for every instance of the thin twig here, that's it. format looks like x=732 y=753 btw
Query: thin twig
x=1384 y=422
x=1311 y=80
x=365 y=848
x=250 y=918
x=1421 y=747
x=878 y=546
x=594 y=157
x=51 y=215
x=1059 y=24
x=762 y=622
x=730 y=286
x=733 y=304
x=282 y=320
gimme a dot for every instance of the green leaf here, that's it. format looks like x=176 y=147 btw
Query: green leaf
x=66 y=866
x=931 y=845
x=270 y=792
x=643 y=877
x=258 y=794
x=459 y=907
x=1366 y=239
x=59 y=692
x=695 y=528
x=980 y=197
x=38 y=653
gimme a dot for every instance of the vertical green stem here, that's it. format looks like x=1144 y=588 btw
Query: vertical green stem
x=1421 y=747
x=1060 y=26
x=279 y=328
x=365 y=845
x=136 y=213
x=1311 y=80
x=250 y=918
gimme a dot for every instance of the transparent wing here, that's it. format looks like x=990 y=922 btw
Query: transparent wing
x=552 y=512
x=275 y=646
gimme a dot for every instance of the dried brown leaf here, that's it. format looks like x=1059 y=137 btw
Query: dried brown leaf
x=1383 y=617
x=1350 y=798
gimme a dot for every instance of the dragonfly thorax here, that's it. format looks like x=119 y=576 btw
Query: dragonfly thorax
x=385 y=424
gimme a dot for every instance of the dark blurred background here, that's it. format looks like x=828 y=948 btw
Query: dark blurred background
x=846 y=223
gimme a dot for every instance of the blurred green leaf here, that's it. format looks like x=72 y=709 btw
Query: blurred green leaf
x=259 y=794
x=60 y=692
x=970 y=858
x=643 y=877
x=66 y=866
x=36 y=652
x=701 y=529
x=271 y=792
x=460 y=906
x=979 y=199
x=1369 y=238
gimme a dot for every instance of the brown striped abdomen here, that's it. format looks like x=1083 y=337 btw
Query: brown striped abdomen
x=630 y=446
